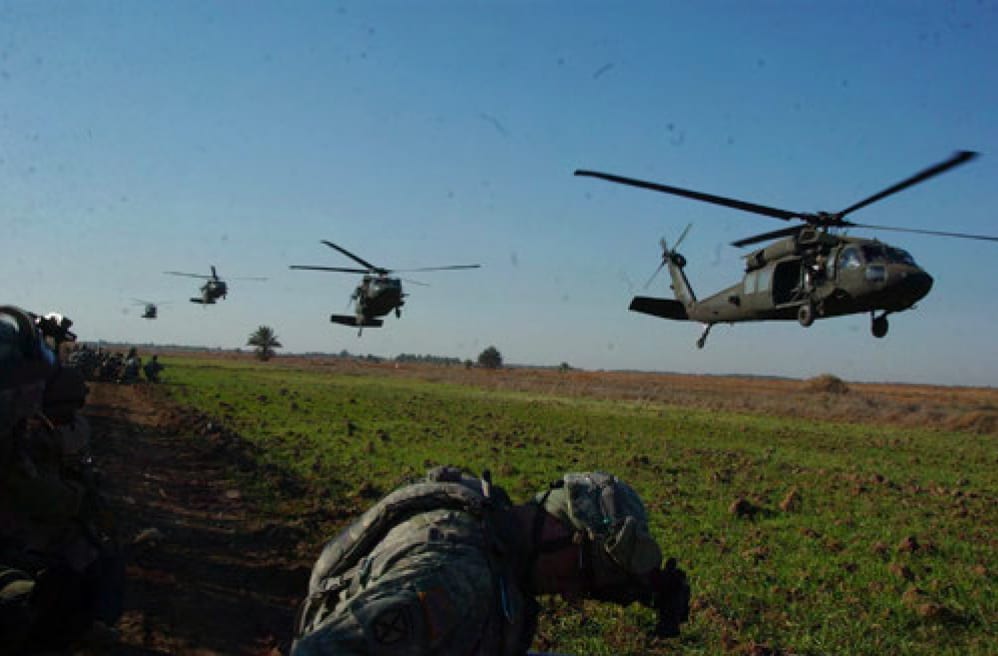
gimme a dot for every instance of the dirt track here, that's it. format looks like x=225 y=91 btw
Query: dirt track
x=222 y=578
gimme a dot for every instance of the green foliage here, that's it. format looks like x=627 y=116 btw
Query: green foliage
x=265 y=341
x=837 y=574
x=490 y=358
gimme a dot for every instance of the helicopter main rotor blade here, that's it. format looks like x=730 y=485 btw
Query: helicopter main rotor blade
x=416 y=282
x=188 y=275
x=958 y=158
x=325 y=268
x=353 y=257
x=783 y=232
x=696 y=195
x=935 y=233
x=452 y=267
x=255 y=278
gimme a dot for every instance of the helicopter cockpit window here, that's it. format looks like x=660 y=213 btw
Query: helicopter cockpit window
x=849 y=259
x=900 y=256
x=886 y=254
x=751 y=280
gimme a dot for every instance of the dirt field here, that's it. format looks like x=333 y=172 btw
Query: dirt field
x=972 y=409
x=221 y=577
x=211 y=571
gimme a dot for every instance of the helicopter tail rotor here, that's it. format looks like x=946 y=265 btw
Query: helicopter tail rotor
x=670 y=254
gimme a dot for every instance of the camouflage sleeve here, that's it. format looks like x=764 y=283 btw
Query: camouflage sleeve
x=15 y=609
x=44 y=498
x=439 y=603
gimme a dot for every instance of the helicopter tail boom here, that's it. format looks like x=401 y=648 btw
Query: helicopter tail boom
x=666 y=308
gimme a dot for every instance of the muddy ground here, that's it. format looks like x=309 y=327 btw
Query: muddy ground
x=217 y=575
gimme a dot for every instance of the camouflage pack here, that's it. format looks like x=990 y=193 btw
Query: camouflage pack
x=419 y=572
x=610 y=517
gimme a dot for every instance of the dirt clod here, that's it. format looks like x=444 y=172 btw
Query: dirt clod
x=901 y=571
x=743 y=508
x=792 y=502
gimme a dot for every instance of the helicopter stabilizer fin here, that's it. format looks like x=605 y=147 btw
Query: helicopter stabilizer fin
x=666 y=308
x=351 y=320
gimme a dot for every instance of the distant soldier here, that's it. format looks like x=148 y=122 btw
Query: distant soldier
x=133 y=366
x=448 y=565
x=152 y=369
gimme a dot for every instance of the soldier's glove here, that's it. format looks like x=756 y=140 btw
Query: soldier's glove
x=671 y=598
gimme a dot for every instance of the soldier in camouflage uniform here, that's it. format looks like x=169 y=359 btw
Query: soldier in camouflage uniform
x=448 y=565
x=55 y=567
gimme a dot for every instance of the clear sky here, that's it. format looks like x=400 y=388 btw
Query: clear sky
x=141 y=137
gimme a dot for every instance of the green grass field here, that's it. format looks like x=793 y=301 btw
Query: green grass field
x=891 y=550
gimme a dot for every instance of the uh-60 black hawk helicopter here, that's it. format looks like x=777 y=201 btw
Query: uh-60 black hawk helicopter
x=150 y=309
x=811 y=272
x=378 y=292
x=214 y=287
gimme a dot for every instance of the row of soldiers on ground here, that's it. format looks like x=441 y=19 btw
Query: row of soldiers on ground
x=113 y=366
x=445 y=565
x=61 y=572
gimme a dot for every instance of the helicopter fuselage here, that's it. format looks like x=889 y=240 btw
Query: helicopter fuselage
x=834 y=275
x=377 y=296
x=211 y=291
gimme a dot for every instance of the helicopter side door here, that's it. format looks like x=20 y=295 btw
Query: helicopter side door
x=788 y=281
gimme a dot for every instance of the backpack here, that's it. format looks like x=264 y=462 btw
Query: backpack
x=344 y=567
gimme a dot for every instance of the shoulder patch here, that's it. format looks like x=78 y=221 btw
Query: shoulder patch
x=392 y=626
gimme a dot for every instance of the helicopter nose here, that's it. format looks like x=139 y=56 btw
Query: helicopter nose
x=917 y=284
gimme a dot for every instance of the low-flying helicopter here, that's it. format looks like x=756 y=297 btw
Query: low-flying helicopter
x=812 y=271
x=378 y=292
x=150 y=309
x=214 y=287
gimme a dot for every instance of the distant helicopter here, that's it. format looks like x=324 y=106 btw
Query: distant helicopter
x=212 y=290
x=150 y=308
x=378 y=292
x=809 y=273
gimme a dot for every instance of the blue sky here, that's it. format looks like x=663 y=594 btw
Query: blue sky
x=137 y=138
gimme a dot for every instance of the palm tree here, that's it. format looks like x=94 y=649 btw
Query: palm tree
x=265 y=342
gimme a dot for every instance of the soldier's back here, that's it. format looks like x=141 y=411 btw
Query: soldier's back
x=439 y=581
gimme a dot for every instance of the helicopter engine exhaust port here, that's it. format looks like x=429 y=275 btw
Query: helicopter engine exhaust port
x=805 y=314
x=879 y=325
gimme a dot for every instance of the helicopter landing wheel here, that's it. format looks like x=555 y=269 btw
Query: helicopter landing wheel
x=398 y=313
x=879 y=326
x=805 y=314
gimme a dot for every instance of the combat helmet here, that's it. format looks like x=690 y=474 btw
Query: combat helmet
x=25 y=363
x=610 y=522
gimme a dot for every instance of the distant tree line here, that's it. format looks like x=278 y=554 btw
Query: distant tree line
x=428 y=358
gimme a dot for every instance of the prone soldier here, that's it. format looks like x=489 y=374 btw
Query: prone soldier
x=448 y=565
